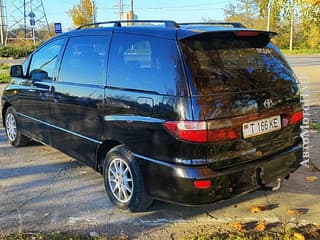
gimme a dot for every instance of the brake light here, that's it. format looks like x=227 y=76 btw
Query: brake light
x=193 y=131
x=197 y=131
x=295 y=117
x=246 y=34
x=202 y=184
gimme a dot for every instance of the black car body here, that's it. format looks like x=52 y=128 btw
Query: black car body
x=190 y=113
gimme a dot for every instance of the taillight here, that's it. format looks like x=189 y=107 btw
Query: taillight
x=201 y=131
x=295 y=117
x=193 y=131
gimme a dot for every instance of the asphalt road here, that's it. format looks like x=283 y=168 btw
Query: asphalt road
x=301 y=60
x=307 y=68
x=42 y=189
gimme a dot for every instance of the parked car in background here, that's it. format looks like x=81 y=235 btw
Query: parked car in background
x=187 y=113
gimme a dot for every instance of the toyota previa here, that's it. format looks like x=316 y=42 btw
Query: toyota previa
x=190 y=113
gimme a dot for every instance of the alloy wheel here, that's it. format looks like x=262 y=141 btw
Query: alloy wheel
x=120 y=180
x=11 y=127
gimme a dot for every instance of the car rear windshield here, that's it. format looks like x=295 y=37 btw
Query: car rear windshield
x=223 y=62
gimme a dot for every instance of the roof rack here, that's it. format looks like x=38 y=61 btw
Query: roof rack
x=233 y=24
x=167 y=23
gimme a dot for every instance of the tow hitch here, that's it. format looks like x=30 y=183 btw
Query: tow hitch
x=278 y=184
x=276 y=187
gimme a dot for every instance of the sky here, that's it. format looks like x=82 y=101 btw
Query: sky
x=178 y=10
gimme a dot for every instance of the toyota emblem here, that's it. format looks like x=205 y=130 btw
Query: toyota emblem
x=267 y=103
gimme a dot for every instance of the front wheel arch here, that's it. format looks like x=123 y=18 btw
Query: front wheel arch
x=13 y=132
x=4 y=110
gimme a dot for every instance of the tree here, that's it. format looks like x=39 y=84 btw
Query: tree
x=245 y=12
x=253 y=13
x=83 y=13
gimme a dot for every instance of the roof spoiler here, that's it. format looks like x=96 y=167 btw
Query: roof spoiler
x=236 y=32
x=232 y=24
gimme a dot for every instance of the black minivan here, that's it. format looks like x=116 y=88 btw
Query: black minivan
x=189 y=113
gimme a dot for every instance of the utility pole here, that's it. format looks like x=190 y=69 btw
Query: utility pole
x=269 y=14
x=2 y=23
x=94 y=12
x=121 y=15
x=24 y=19
x=31 y=15
x=130 y=15
x=292 y=25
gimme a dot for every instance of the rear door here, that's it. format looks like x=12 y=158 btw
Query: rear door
x=247 y=92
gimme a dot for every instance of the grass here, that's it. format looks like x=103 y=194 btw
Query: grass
x=310 y=232
x=4 y=73
x=286 y=234
x=16 y=51
x=53 y=236
x=301 y=51
x=315 y=125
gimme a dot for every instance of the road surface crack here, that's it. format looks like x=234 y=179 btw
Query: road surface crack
x=38 y=195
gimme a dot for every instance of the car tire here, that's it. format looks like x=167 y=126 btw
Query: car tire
x=13 y=130
x=123 y=181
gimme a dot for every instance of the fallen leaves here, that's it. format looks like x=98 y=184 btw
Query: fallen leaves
x=260 y=227
x=311 y=178
x=313 y=167
x=298 y=236
x=242 y=227
x=293 y=212
x=258 y=208
x=239 y=226
x=297 y=211
x=277 y=230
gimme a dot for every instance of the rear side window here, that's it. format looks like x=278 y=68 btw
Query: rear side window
x=145 y=63
x=227 y=63
x=85 y=60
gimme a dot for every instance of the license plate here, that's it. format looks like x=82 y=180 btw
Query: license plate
x=261 y=126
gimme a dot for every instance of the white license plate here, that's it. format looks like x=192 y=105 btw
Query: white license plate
x=261 y=126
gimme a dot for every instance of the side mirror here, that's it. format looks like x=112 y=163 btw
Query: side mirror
x=16 y=71
x=38 y=75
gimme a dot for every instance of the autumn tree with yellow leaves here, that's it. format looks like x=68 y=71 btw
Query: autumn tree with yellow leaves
x=253 y=14
x=83 y=13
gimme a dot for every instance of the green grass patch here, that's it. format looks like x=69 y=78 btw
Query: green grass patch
x=16 y=51
x=301 y=51
x=315 y=125
x=53 y=236
x=4 y=73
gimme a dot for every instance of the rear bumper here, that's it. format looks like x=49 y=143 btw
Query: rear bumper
x=175 y=183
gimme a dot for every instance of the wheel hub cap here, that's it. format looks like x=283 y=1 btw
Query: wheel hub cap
x=120 y=180
x=11 y=127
